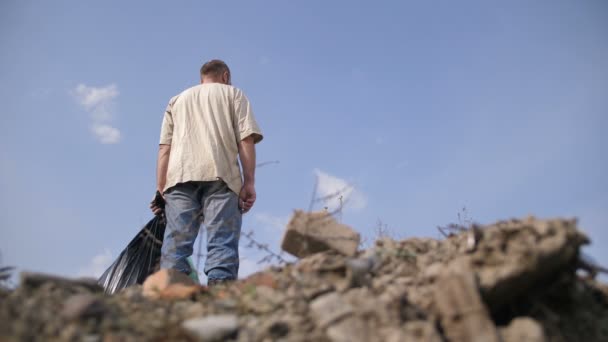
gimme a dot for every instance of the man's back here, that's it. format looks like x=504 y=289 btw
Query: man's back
x=203 y=125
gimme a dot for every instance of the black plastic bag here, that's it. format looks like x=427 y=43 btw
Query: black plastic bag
x=140 y=259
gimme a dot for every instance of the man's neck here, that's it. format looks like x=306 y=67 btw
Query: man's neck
x=210 y=80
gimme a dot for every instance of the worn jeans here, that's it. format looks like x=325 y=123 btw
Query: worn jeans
x=213 y=204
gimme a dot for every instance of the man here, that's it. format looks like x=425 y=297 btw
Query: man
x=204 y=129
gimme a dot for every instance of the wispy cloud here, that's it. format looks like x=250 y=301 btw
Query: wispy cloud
x=99 y=102
x=97 y=265
x=331 y=188
x=106 y=133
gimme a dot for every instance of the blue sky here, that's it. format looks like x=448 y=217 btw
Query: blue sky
x=424 y=106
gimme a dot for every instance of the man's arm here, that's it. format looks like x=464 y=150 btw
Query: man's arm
x=162 y=164
x=247 y=157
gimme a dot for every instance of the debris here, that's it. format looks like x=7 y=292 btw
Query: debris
x=329 y=308
x=309 y=233
x=523 y=329
x=463 y=315
x=82 y=305
x=512 y=281
x=169 y=284
x=34 y=280
x=212 y=328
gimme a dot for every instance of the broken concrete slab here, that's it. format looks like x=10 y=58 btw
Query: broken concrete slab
x=463 y=315
x=169 y=284
x=523 y=329
x=351 y=329
x=309 y=233
x=412 y=331
x=514 y=255
x=329 y=308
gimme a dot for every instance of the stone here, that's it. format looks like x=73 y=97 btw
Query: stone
x=278 y=329
x=350 y=329
x=513 y=256
x=179 y=291
x=260 y=279
x=523 y=329
x=82 y=305
x=212 y=328
x=358 y=272
x=32 y=281
x=463 y=315
x=309 y=233
x=391 y=296
x=156 y=284
x=329 y=308
x=421 y=331
x=412 y=331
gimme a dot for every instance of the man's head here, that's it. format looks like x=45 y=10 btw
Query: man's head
x=215 y=71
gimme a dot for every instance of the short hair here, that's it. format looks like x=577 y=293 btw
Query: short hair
x=214 y=67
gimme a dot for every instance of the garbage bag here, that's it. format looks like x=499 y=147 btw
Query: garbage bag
x=140 y=259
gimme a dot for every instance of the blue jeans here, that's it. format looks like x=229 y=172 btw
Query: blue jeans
x=190 y=204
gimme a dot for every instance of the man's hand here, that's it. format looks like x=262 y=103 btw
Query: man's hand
x=158 y=204
x=247 y=197
x=247 y=157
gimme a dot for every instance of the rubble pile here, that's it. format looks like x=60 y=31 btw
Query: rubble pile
x=517 y=280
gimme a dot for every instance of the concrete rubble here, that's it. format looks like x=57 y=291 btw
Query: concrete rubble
x=515 y=280
x=310 y=233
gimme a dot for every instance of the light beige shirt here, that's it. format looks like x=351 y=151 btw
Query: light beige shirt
x=203 y=125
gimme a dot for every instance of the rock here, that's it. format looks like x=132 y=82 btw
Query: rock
x=357 y=271
x=350 y=329
x=91 y=338
x=309 y=233
x=160 y=285
x=212 y=328
x=260 y=279
x=180 y=291
x=523 y=329
x=133 y=293
x=463 y=315
x=31 y=281
x=421 y=331
x=329 y=308
x=513 y=256
x=409 y=290
x=82 y=305
x=412 y=331
x=278 y=329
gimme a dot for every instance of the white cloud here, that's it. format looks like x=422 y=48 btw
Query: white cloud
x=272 y=221
x=99 y=103
x=331 y=188
x=91 y=97
x=106 y=134
x=97 y=265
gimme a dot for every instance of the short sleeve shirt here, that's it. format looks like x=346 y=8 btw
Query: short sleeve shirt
x=204 y=125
